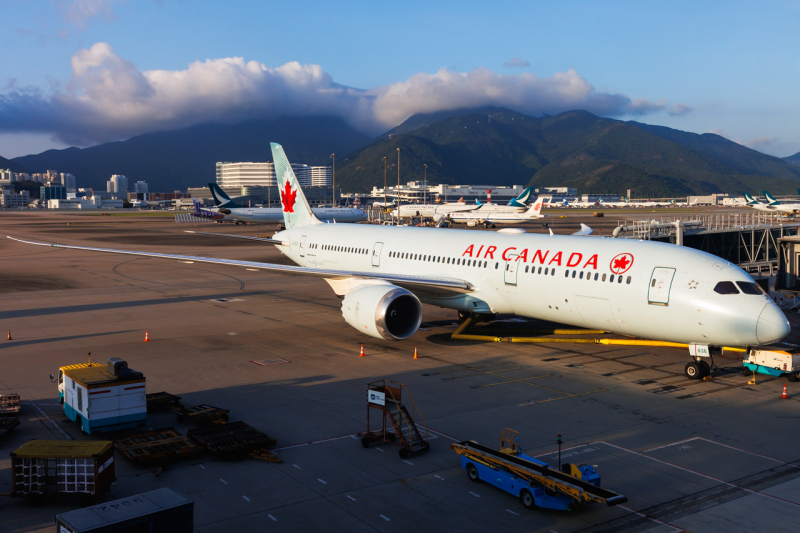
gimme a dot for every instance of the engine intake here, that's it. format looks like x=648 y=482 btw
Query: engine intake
x=383 y=311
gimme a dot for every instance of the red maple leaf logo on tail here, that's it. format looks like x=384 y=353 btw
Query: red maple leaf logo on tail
x=288 y=198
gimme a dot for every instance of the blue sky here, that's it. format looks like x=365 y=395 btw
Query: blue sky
x=88 y=71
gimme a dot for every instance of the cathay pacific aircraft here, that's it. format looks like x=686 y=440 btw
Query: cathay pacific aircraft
x=637 y=288
x=491 y=218
x=266 y=215
x=436 y=211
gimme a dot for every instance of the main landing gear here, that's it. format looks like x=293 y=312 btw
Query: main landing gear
x=697 y=370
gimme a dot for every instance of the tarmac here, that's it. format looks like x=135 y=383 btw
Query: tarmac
x=718 y=455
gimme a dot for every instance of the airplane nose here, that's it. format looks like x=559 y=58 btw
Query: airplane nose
x=772 y=325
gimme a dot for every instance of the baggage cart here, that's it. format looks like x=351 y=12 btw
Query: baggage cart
x=159 y=511
x=62 y=466
x=9 y=404
x=8 y=423
x=158 y=446
x=162 y=401
x=231 y=440
x=202 y=414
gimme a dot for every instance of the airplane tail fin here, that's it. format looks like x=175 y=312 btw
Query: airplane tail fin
x=296 y=211
x=220 y=198
x=478 y=201
x=750 y=199
x=523 y=198
x=771 y=199
x=535 y=208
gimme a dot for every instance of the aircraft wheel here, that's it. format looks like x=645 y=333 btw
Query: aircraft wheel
x=692 y=371
x=527 y=499
x=472 y=472
x=792 y=377
x=705 y=368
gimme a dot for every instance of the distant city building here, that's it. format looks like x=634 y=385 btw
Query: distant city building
x=249 y=174
x=52 y=192
x=140 y=186
x=321 y=176
x=6 y=176
x=9 y=198
x=117 y=184
x=69 y=181
x=561 y=191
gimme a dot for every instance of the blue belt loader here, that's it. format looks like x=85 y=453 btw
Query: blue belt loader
x=532 y=480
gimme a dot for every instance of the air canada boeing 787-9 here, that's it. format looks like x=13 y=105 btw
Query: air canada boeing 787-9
x=639 y=288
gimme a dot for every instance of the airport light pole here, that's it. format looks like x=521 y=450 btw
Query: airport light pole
x=398 y=178
x=384 y=182
x=425 y=190
x=333 y=179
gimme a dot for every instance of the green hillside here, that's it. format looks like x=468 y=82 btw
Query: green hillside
x=594 y=154
x=8 y=164
x=793 y=159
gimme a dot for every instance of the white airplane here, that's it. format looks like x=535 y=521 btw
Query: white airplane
x=635 y=288
x=491 y=218
x=266 y=215
x=774 y=204
x=430 y=210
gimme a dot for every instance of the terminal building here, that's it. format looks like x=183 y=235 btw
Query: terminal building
x=416 y=192
x=238 y=175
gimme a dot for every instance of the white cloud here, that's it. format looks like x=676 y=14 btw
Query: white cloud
x=680 y=109
x=78 y=12
x=109 y=98
x=517 y=62
x=760 y=143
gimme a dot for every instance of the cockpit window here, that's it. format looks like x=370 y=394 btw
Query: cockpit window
x=726 y=287
x=749 y=288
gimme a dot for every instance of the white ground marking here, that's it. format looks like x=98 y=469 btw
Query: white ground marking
x=297 y=467
x=246 y=498
x=439 y=477
x=351 y=498
x=409 y=462
x=322 y=481
x=385 y=518
x=512 y=512
x=476 y=495
x=273 y=518
x=223 y=481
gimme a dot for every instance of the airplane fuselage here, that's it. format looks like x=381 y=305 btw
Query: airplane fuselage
x=639 y=288
x=268 y=215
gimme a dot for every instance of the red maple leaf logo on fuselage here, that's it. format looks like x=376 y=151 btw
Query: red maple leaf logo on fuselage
x=288 y=198
x=621 y=263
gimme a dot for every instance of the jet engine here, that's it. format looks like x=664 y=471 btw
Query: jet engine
x=383 y=311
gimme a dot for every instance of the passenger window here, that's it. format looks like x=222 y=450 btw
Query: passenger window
x=574 y=272
x=604 y=277
x=628 y=281
x=726 y=287
x=611 y=279
x=750 y=288
x=581 y=276
x=596 y=274
x=619 y=279
x=496 y=265
x=653 y=283
x=526 y=269
x=566 y=273
x=552 y=272
x=540 y=270
x=545 y=270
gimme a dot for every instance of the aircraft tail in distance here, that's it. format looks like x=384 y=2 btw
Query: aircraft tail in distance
x=220 y=198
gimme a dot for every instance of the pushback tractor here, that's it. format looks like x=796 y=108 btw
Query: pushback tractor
x=534 y=482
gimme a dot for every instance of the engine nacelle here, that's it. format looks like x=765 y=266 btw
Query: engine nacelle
x=383 y=311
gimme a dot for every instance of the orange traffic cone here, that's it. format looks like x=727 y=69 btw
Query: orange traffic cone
x=9 y=335
x=362 y=351
x=415 y=353
x=785 y=395
x=146 y=336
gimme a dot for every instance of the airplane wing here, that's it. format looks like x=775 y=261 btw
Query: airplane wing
x=230 y=236
x=585 y=230
x=416 y=284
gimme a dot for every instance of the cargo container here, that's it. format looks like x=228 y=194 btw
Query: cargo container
x=159 y=511
x=64 y=466
x=9 y=404
x=105 y=398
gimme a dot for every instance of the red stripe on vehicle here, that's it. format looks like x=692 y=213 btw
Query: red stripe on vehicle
x=99 y=392
x=137 y=387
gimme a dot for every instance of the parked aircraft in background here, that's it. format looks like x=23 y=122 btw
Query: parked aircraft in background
x=491 y=218
x=516 y=205
x=643 y=289
x=204 y=212
x=267 y=215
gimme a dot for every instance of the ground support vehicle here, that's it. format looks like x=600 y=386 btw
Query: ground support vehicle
x=104 y=399
x=533 y=481
x=773 y=362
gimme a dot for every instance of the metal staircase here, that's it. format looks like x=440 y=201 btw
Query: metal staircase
x=396 y=424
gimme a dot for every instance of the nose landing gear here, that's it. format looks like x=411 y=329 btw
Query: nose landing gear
x=701 y=354
x=697 y=370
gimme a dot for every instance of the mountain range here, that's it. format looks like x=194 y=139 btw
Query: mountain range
x=492 y=146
